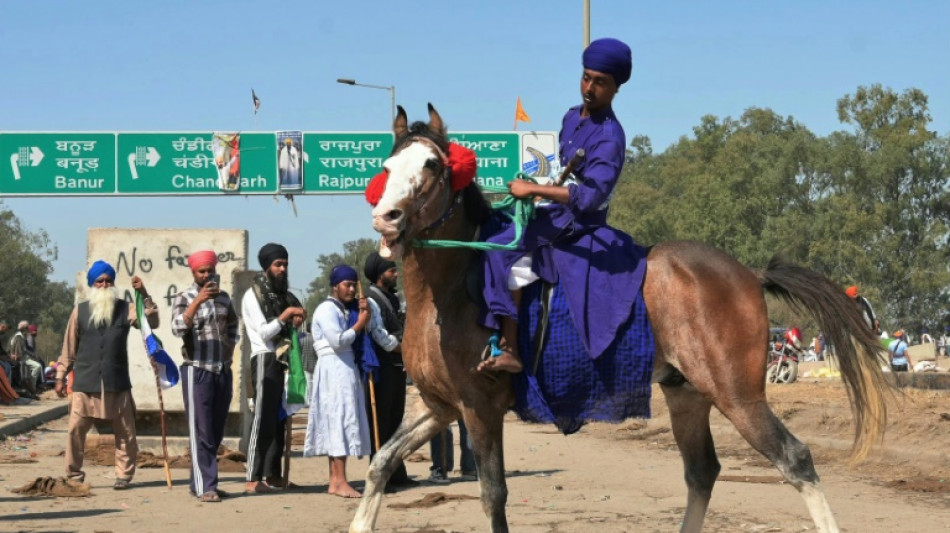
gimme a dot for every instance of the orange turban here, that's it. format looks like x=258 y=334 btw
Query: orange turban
x=199 y=259
x=852 y=291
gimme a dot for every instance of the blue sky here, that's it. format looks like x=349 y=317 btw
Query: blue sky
x=189 y=66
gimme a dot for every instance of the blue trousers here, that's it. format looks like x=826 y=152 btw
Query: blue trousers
x=207 y=397
x=446 y=463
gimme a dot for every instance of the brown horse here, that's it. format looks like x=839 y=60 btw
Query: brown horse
x=689 y=287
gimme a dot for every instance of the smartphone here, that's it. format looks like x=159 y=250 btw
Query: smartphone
x=216 y=279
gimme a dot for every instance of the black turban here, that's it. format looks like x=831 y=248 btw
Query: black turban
x=375 y=265
x=269 y=253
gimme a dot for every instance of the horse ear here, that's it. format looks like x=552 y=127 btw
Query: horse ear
x=401 y=123
x=435 y=121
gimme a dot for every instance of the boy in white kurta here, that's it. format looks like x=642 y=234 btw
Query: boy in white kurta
x=337 y=426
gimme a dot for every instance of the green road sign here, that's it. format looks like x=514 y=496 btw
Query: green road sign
x=343 y=162
x=185 y=163
x=498 y=155
x=57 y=163
x=170 y=164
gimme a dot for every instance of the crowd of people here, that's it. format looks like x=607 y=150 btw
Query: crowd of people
x=24 y=374
x=204 y=317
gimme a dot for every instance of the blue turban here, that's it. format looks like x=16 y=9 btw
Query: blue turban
x=342 y=273
x=609 y=56
x=97 y=269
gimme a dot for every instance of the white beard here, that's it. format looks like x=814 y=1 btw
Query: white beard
x=102 y=305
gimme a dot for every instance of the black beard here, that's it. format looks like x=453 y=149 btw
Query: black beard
x=279 y=284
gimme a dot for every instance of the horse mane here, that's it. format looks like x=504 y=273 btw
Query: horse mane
x=477 y=207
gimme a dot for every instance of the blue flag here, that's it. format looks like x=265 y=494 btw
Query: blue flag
x=363 y=349
x=167 y=369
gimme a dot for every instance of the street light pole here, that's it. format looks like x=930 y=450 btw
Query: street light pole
x=390 y=88
x=586 y=23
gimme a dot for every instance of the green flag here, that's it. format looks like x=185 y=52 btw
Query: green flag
x=296 y=380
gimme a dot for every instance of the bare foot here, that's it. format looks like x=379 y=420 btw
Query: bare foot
x=257 y=487
x=345 y=491
x=506 y=362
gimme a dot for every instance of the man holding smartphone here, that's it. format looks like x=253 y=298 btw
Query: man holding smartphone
x=204 y=318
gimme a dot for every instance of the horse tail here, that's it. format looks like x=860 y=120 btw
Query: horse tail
x=857 y=349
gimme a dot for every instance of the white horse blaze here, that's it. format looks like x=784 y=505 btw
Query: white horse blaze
x=406 y=177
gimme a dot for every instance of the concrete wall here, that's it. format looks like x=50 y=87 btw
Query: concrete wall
x=159 y=257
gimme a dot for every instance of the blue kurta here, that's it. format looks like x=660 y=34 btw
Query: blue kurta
x=600 y=268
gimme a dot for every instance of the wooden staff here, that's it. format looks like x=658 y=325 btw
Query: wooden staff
x=372 y=387
x=158 y=389
x=289 y=436
x=161 y=417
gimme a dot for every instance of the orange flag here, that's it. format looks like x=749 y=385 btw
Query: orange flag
x=520 y=114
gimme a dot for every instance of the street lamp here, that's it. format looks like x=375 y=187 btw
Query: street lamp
x=390 y=88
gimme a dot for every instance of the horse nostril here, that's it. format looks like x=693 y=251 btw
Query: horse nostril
x=394 y=215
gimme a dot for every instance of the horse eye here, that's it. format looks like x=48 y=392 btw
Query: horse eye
x=432 y=164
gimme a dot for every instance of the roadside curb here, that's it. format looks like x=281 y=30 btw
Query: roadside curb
x=14 y=426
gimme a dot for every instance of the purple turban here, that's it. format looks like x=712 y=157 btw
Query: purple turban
x=609 y=56
x=97 y=269
x=342 y=273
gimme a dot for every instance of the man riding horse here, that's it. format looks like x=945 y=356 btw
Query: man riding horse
x=568 y=236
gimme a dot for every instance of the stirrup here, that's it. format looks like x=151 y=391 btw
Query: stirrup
x=492 y=349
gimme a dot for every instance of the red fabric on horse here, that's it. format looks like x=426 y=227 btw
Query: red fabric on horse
x=463 y=163
x=374 y=191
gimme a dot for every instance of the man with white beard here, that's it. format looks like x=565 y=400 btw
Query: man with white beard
x=94 y=348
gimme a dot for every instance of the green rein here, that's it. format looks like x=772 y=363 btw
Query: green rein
x=522 y=210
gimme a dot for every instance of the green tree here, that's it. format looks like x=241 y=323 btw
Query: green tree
x=884 y=225
x=732 y=185
x=354 y=254
x=869 y=206
x=26 y=292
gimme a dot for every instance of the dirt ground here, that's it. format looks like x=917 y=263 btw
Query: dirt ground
x=612 y=478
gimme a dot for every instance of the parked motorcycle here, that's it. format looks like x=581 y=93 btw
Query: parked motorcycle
x=783 y=358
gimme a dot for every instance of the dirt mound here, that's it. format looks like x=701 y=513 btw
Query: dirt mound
x=60 y=487
x=432 y=499
x=100 y=450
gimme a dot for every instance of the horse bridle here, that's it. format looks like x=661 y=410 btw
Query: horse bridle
x=438 y=186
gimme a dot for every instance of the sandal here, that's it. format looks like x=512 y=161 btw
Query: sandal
x=210 y=497
x=121 y=484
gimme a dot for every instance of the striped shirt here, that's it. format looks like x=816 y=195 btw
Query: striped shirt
x=209 y=342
